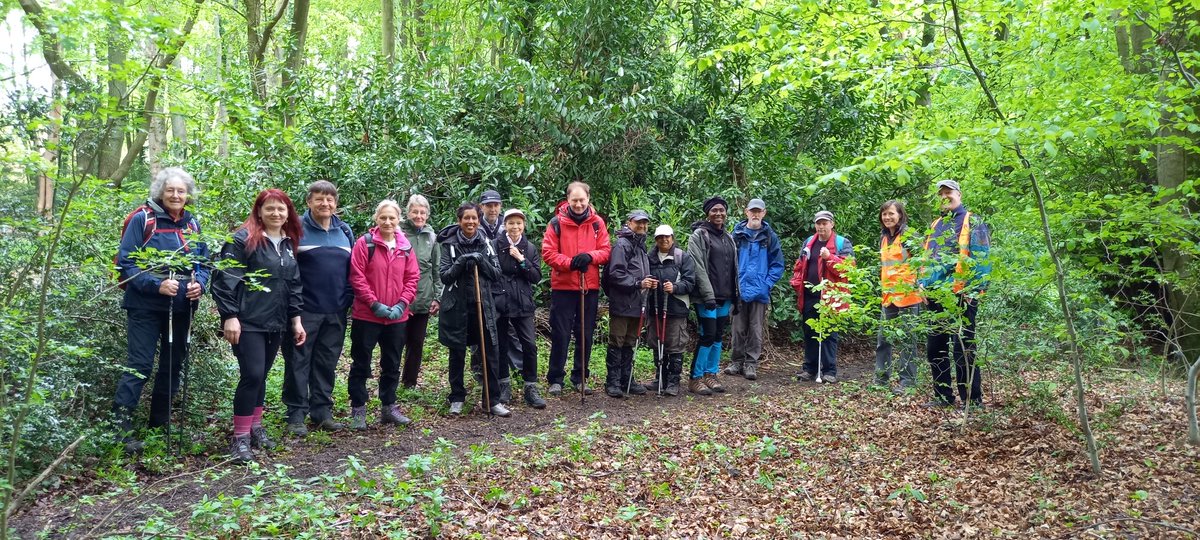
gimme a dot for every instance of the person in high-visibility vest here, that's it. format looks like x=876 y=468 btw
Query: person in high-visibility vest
x=958 y=248
x=898 y=284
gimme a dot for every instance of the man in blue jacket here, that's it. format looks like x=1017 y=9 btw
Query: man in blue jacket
x=324 y=259
x=760 y=265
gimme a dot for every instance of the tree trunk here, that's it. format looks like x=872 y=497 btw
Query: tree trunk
x=388 y=14
x=1193 y=429
x=1176 y=163
x=221 y=118
x=928 y=34
x=45 y=182
x=294 y=63
x=109 y=150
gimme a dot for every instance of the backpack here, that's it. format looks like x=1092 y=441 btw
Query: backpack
x=841 y=241
x=370 y=241
x=150 y=227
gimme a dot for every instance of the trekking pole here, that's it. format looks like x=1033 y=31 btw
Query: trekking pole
x=487 y=398
x=638 y=341
x=662 y=331
x=170 y=358
x=187 y=361
x=579 y=344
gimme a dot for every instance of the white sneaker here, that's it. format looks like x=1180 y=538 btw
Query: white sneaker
x=500 y=410
x=456 y=407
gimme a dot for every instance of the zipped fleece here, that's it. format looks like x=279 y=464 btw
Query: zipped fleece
x=389 y=277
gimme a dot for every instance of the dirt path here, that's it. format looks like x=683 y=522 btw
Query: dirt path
x=206 y=477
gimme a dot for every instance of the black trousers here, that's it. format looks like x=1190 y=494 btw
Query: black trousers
x=309 y=370
x=958 y=336
x=146 y=333
x=255 y=352
x=417 y=328
x=458 y=360
x=518 y=333
x=364 y=336
x=564 y=325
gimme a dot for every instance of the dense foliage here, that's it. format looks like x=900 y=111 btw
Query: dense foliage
x=805 y=104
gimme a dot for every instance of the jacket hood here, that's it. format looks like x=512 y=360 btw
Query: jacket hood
x=705 y=224
x=407 y=226
x=401 y=240
x=452 y=234
x=157 y=207
x=627 y=233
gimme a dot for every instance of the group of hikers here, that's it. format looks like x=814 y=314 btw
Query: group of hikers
x=286 y=283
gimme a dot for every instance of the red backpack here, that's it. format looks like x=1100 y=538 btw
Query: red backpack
x=150 y=227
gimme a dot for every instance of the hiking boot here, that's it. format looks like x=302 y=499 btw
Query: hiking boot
x=124 y=424
x=239 y=450
x=829 y=379
x=614 y=391
x=651 y=386
x=636 y=389
x=505 y=391
x=714 y=384
x=734 y=368
x=898 y=391
x=297 y=429
x=358 y=418
x=805 y=376
x=500 y=410
x=260 y=440
x=672 y=389
x=456 y=407
x=390 y=414
x=532 y=398
x=586 y=391
x=697 y=386
x=555 y=389
x=328 y=424
x=750 y=371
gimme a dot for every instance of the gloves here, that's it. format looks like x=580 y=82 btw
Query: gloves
x=580 y=262
x=380 y=310
x=398 y=310
x=710 y=305
x=469 y=259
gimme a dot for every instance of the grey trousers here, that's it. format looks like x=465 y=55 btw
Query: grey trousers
x=748 y=333
x=900 y=334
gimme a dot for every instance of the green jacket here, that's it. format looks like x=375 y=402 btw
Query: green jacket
x=424 y=244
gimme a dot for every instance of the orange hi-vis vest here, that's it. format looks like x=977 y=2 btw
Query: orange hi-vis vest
x=895 y=274
x=964 y=251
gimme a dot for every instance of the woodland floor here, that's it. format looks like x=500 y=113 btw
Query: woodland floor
x=770 y=459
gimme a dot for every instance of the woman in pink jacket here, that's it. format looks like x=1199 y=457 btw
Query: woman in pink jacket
x=384 y=274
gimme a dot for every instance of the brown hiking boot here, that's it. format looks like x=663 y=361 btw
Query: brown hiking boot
x=714 y=384
x=697 y=386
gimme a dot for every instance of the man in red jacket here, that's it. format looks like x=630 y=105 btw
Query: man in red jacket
x=576 y=243
x=818 y=263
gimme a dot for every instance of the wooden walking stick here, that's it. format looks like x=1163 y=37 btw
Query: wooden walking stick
x=487 y=397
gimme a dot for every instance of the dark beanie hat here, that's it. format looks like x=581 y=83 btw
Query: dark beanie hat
x=714 y=201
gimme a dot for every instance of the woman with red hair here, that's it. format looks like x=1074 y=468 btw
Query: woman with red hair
x=255 y=314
